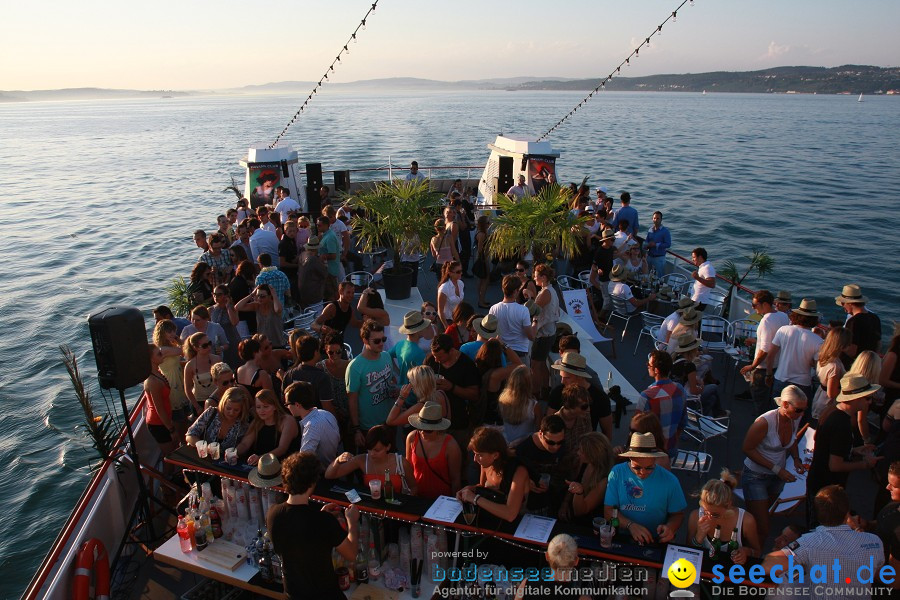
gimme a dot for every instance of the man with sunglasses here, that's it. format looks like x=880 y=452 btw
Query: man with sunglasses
x=649 y=498
x=540 y=454
x=371 y=383
x=665 y=398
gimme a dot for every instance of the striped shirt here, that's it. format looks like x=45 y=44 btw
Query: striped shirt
x=665 y=399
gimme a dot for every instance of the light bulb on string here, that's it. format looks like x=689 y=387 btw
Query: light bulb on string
x=627 y=62
x=648 y=42
x=691 y=2
x=363 y=24
x=674 y=16
x=346 y=49
x=637 y=52
x=659 y=30
x=353 y=37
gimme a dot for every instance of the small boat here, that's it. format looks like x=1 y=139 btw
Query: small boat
x=860 y=98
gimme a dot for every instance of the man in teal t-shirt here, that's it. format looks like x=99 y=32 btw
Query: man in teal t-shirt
x=407 y=353
x=329 y=248
x=371 y=382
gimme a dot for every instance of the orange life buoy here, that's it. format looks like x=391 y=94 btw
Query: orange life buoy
x=92 y=558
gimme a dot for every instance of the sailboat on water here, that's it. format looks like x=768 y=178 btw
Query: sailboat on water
x=860 y=98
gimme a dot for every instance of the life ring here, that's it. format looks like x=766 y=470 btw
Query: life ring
x=92 y=558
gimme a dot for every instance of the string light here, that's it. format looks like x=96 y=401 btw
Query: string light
x=345 y=50
x=618 y=69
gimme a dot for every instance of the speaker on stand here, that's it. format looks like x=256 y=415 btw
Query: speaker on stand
x=505 y=176
x=313 y=185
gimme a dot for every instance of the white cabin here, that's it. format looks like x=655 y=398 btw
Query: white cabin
x=511 y=156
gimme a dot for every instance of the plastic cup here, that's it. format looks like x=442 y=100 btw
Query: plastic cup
x=213 y=449
x=469 y=512
x=545 y=480
x=598 y=523
x=202 y=449
x=375 y=489
x=606 y=536
x=231 y=456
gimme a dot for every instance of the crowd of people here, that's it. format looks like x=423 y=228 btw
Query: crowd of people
x=467 y=403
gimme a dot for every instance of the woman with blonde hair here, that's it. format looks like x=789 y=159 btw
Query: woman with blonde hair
x=868 y=364
x=423 y=385
x=717 y=511
x=199 y=383
x=225 y=423
x=443 y=246
x=223 y=378
x=165 y=337
x=587 y=489
x=272 y=430
x=518 y=408
x=829 y=370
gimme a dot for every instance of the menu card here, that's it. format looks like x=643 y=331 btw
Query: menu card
x=535 y=528
x=444 y=509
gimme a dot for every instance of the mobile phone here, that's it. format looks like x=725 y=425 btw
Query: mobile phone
x=353 y=496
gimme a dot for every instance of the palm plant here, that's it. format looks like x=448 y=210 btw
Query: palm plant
x=760 y=263
x=234 y=188
x=394 y=214
x=541 y=222
x=179 y=295
x=101 y=429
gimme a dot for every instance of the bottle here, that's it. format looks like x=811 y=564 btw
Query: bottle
x=277 y=567
x=265 y=560
x=614 y=519
x=215 y=521
x=260 y=543
x=716 y=545
x=200 y=541
x=609 y=382
x=184 y=536
x=373 y=562
x=733 y=545
x=189 y=521
x=206 y=526
x=362 y=567
x=388 y=488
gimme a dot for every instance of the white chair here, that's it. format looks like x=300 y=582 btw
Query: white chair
x=701 y=428
x=714 y=334
x=651 y=321
x=737 y=350
x=585 y=278
x=348 y=351
x=692 y=460
x=716 y=302
x=305 y=319
x=360 y=280
x=676 y=281
x=654 y=331
x=567 y=282
x=620 y=311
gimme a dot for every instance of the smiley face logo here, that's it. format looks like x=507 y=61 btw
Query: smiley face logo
x=682 y=573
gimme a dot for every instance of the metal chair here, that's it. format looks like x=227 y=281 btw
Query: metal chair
x=658 y=345
x=692 y=460
x=716 y=302
x=305 y=319
x=620 y=311
x=567 y=282
x=676 y=281
x=701 y=429
x=650 y=321
x=714 y=333
x=737 y=350
x=585 y=278
x=348 y=351
x=360 y=280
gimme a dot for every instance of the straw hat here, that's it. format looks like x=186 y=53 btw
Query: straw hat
x=689 y=316
x=784 y=297
x=807 y=308
x=414 y=322
x=608 y=234
x=855 y=386
x=851 y=294
x=533 y=307
x=267 y=472
x=643 y=445
x=684 y=303
x=574 y=364
x=687 y=342
x=312 y=243
x=618 y=273
x=791 y=394
x=488 y=327
x=430 y=418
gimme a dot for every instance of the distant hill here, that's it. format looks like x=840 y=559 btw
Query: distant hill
x=399 y=83
x=853 y=79
x=83 y=94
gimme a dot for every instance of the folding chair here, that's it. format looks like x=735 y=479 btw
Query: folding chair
x=651 y=321
x=701 y=429
x=716 y=302
x=305 y=319
x=567 y=282
x=676 y=281
x=360 y=280
x=714 y=334
x=620 y=311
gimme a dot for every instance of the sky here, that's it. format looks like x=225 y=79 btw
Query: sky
x=205 y=44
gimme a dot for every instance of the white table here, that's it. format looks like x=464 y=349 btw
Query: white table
x=397 y=309
x=597 y=361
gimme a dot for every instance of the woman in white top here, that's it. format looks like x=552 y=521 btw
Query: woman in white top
x=769 y=441
x=546 y=328
x=717 y=510
x=451 y=292
x=829 y=370
x=634 y=261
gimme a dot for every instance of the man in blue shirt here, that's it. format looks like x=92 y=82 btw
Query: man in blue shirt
x=627 y=213
x=659 y=240
x=649 y=498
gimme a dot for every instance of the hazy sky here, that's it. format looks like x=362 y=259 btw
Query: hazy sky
x=202 y=44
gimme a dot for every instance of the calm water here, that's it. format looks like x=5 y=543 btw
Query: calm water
x=101 y=198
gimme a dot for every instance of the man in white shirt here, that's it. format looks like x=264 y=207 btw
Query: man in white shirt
x=262 y=241
x=513 y=319
x=795 y=349
x=772 y=320
x=319 y=431
x=704 y=278
x=262 y=213
x=669 y=323
x=519 y=190
x=618 y=287
x=414 y=174
x=286 y=204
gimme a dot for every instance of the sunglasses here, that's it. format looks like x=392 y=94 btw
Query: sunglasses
x=228 y=382
x=797 y=409
x=429 y=313
x=634 y=467
x=551 y=442
x=520 y=270
x=377 y=340
x=206 y=344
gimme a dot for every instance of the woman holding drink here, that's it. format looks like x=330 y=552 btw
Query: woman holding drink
x=225 y=424
x=377 y=462
x=717 y=512
x=434 y=455
x=503 y=484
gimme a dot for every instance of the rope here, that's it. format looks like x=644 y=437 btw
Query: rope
x=634 y=53
x=344 y=50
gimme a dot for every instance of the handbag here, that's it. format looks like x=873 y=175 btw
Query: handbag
x=479 y=269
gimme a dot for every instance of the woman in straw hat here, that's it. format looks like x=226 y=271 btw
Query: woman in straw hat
x=422 y=388
x=434 y=455
x=649 y=499
x=717 y=510
x=768 y=444
x=685 y=371
x=669 y=323
x=832 y=457
x=688 y=322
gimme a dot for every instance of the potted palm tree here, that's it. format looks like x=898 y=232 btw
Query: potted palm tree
x=760 y=263
x=542 y=223
x=394 y=214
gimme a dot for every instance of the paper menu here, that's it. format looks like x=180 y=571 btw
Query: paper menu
x=444 y=509
x=535 y=529
x=692 y=555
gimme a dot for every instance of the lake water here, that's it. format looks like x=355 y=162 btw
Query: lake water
x=102 y=198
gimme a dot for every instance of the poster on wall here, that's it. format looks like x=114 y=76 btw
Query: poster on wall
x=264 y=178
x=540 y=168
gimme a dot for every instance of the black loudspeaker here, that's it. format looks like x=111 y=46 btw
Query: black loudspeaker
x=313 y=184
x=342 y=181
x=284 y=169
x=505 y=176
x=120 y=347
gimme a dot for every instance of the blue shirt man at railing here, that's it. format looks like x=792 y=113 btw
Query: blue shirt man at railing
x=659 y=240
